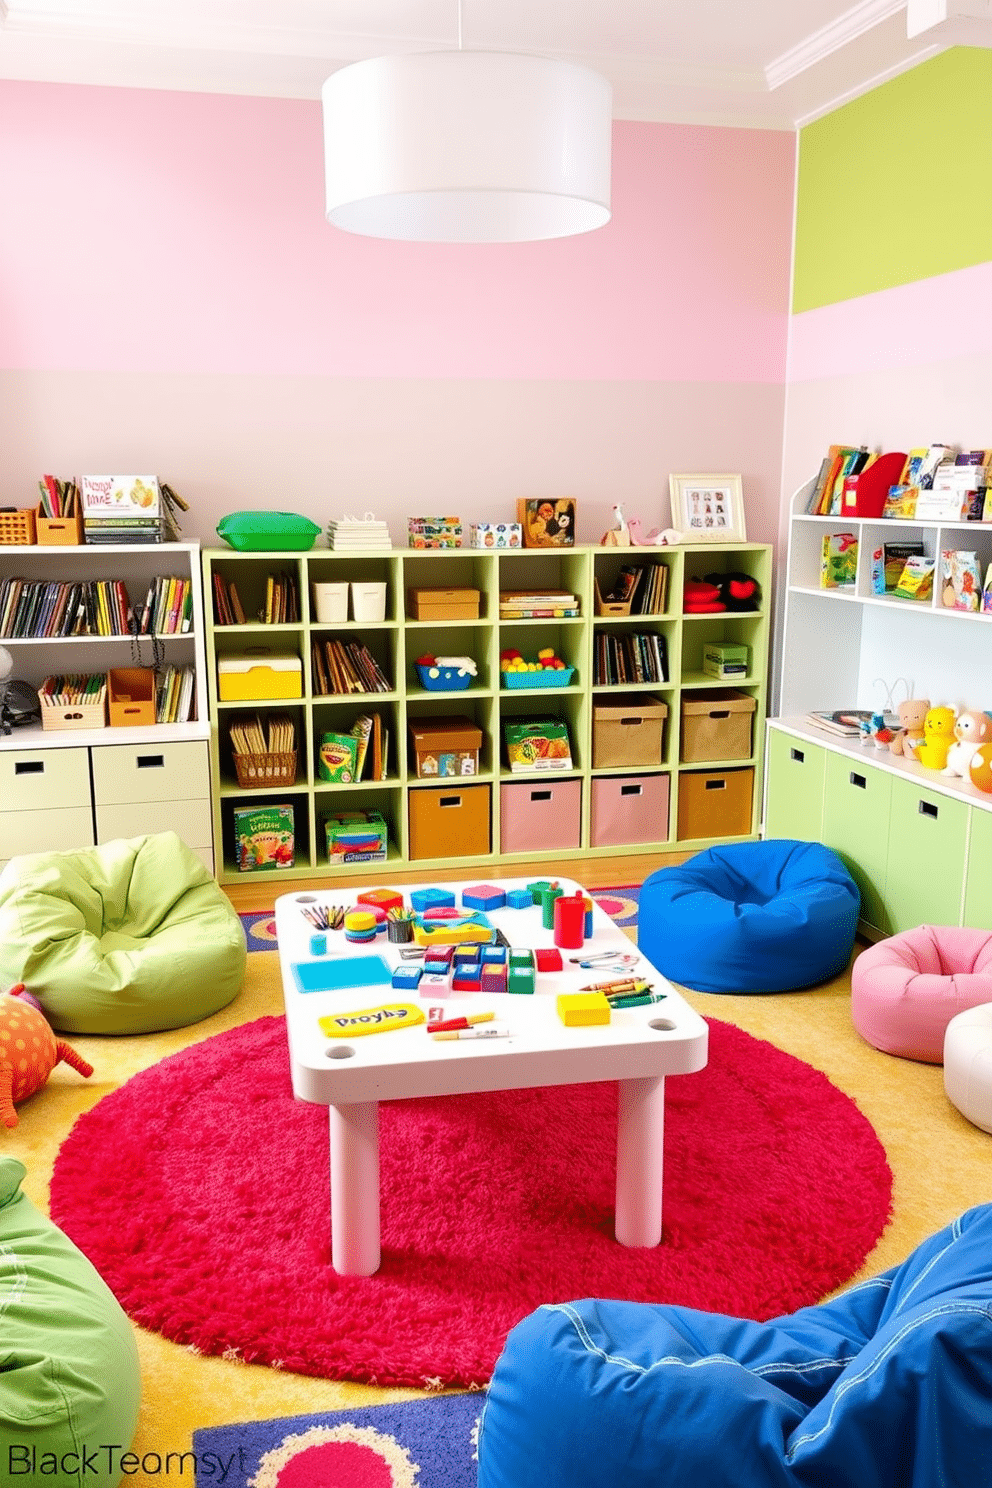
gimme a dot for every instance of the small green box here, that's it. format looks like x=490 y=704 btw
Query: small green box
x=263 y=838
x=725 y=659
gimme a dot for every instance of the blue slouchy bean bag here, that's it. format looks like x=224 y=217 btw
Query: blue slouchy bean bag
x=886 y=1386
x=750 y=917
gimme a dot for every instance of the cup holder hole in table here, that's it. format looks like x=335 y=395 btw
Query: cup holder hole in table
x=663 y=1025
x=339 y=1051
x=306 y=899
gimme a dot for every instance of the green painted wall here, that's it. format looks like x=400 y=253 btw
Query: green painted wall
x=895 y=186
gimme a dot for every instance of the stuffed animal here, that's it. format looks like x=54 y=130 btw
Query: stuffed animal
x=738 y=591
x=938 y=728
x=29 y=1051
x=875 y=730
x=970 y=730
x=701 y=597
x=910 y=736
x=980 y=768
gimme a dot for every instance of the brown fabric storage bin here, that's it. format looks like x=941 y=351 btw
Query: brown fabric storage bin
x=715 y=803
x=451 y=821
x=628 y=731
x=445 y=748
x=716 y=725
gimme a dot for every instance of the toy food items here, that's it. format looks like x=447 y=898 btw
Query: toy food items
x=514 y=661
x=910 y=736
x=21 y=1025
x=970 y=730
x=980 y=768
x=938 y=728
x=538 y=744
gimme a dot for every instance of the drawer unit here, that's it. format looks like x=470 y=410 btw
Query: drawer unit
x=924 y=881
x=44 y=831
x=856 y=805
x=124 y=773
x=978 y=883
x=540 y=816
x=450 y=821
x=628 y=809
x=794 y=797
x=190 y=820
x=715 y=803
x=39 y=779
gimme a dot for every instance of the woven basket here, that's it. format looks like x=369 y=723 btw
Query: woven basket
x=17 y=526
x=259 y=771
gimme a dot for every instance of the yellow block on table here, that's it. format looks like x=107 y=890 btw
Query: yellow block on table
x=583 y=1009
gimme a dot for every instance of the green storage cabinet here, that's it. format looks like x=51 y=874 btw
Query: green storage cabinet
x=978 y=880
x=794 y=795
x=856 y=801
x=928 y=832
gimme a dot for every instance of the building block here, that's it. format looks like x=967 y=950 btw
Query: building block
x=423 y=899
x=474 y=928
x=484 y=896
x=521 y=956
x=434 y=986
x=548 y=959
x=465 y=953
x=463 y=982
x=520 y=979
x=493 y=979
x=494 y=953
x=583 y=1009
x=406 y=977
x=386 y=899
x=519 y=899
x=443 y=912
x=535 y=889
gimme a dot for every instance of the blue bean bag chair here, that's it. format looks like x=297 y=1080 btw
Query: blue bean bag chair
x=886 y=1386
x=750 y=917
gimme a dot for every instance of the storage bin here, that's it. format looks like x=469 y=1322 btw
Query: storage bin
x=445 y=747
x=131 y=696
x=330 y=602
x=716 y=725
x=539 y=816
x=450 y=821
x=18 y=526
x=443 y=604
x=246 y=678
x=368 y=602
x=628 y=809
x=715 y=803
x=628 y=730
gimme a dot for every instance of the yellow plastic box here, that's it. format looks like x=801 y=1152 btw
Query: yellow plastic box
x=248 y=678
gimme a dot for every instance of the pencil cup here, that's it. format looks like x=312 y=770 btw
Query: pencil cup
x=399 y=931
x=548 y=897
x=368 y=602
x=330 y=602
x=569 y=918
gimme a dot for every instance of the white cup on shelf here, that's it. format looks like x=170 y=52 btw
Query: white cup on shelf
x=368 y=602
x=330 y=602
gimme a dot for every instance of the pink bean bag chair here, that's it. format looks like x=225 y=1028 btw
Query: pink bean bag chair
x=905 y=990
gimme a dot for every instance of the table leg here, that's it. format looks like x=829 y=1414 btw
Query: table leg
x=355 y=1188
x=640 y=1159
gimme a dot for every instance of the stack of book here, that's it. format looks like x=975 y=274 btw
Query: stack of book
x=623 y=659
x=129 y=509
x=355 y=533
x=174 y=694
x=346 y=666
x=537 y=604
x=228 y=609
x=168 y=607
x=847 y=721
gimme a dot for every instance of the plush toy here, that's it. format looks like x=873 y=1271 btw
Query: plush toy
x=738 y=591
x=910 y=736
x=29 y=1051
x=980 y=768
x=938 y=729
x=701 y=597
x=875 y=730
x=970 y=730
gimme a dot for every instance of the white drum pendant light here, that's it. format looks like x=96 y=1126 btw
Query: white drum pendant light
x=467 y=147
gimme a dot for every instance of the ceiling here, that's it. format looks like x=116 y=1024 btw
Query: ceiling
x=757 y=63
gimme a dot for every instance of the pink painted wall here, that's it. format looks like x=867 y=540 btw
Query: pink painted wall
x=156 y=245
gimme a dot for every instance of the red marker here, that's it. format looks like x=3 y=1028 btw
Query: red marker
x=451 y=1024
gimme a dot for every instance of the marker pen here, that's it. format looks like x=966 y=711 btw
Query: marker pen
x=450 y=1024
x=641 y=999
x=469 y=1033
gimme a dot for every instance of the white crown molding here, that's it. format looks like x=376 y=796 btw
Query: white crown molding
x=923 y=54
x=832 y=38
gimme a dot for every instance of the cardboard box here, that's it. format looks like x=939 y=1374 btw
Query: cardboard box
x=716 y=725
x=724 y=659
x=547 y=523
x=451 y=821
x=131 y=696
x=443 y=604
x=537 y=744
x=434 y=532
x=628 y=730
x=445 y=748
x=263 y=838
x=496 y=535
x=356 y=837
x=257 y=675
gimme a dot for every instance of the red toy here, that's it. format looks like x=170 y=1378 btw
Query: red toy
x=23 y=1028
x=700 y=597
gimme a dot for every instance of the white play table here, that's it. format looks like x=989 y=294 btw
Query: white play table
x=638 y=1048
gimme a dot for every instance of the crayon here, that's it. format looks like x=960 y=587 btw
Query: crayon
x=448 y=1025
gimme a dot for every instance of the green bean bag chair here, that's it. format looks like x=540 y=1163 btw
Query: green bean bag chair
x=69 y=1378
x=128 y=937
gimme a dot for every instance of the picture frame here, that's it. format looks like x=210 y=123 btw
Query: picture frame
x=547 y=522
x=708 y=508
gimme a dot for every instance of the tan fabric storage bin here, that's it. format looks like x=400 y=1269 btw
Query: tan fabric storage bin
x=715 y=803
x=451 y=821
x=717 y=724
x=628 y=731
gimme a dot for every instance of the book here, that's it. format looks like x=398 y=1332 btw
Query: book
x=839 y=561
x=847 y=721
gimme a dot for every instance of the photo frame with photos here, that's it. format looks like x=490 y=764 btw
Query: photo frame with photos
x=708 y=508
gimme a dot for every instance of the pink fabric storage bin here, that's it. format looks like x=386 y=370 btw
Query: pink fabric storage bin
x=537 y=814
x=629 y=808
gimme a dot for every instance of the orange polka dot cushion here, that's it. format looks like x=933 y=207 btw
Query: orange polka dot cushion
x=29 y=1051
x=127 y=937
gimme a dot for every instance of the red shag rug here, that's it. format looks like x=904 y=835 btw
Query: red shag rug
x=199 y=1189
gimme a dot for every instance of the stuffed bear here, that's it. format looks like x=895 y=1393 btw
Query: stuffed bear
x=910 y=735
x=29 y=1051
x=738 y=591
